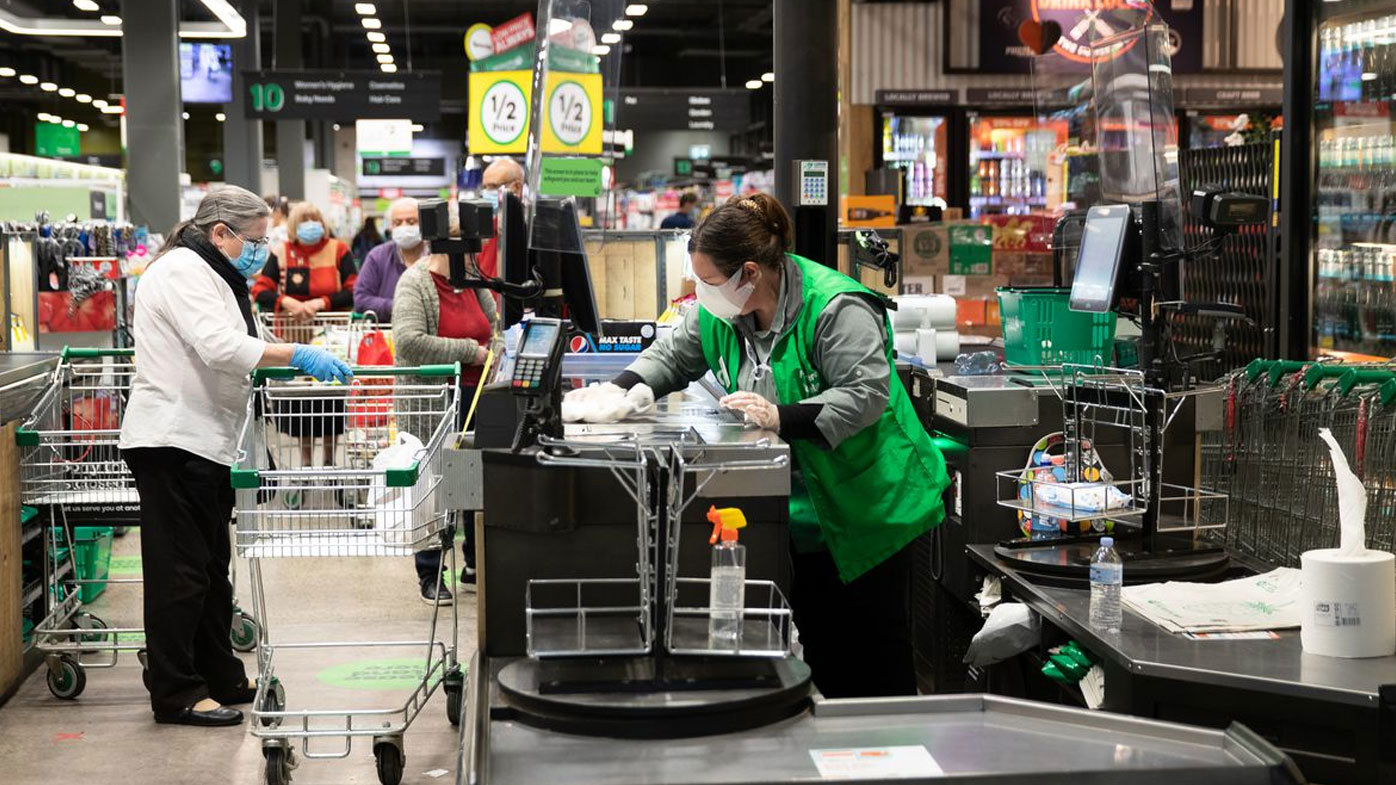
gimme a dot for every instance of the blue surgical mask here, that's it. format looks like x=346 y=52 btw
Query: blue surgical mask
x=492 y=197
x=252 y=259
x=310 y=232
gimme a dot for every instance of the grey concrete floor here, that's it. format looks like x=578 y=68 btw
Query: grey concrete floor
x=107 y=735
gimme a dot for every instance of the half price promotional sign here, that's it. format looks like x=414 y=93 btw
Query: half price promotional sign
x=572 y=116
x=499 y=112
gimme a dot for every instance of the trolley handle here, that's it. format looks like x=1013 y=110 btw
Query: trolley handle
x=1317 y=372
x=83 y=352
x=1273 y=370
x=262 y=374
x=1356 y=376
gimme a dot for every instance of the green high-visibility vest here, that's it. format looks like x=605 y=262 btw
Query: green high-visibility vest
x=879 y=489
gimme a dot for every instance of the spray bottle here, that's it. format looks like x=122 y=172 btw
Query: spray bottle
x=727 y=588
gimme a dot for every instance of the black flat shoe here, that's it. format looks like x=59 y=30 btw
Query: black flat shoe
x=235 y=696
x=213 y=718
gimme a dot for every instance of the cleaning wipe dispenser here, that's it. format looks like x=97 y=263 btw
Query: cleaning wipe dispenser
x=1348 y=599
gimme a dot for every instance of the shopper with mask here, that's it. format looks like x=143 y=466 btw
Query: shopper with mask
x=198 y=344
x=385 y=264
x=806 y=352
x=312 y=272
x=501 y=173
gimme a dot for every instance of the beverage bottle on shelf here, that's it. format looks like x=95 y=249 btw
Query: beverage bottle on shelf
x=727 y=587
x=1107 y=580
x=1327 y=64
x=1352 y=64
x=1366 y=43
x=1005 y=178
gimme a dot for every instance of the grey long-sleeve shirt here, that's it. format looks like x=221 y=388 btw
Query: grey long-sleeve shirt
x=849 y=351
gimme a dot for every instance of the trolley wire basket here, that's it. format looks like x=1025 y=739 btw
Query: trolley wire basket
x=340 y=333
x=342 y=507
x=71 y=470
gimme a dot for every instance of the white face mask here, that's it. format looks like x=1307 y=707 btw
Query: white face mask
x=726 y=301
x=278 y=234
x=407 y=236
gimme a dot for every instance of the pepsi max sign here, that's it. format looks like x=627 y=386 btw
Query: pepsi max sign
x=619 y=338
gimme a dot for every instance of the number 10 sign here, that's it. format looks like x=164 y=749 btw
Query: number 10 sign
x=572 y=117
x=499 y=112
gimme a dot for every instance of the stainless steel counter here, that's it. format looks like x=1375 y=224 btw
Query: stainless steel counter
x=23 y=377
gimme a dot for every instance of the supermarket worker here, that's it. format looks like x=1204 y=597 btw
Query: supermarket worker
x=196 y=344
x=807 y=352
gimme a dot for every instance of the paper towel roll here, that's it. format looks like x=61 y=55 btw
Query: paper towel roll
x=905 y=341
x=918 y=311
x=934 y=345
x=1347 y=604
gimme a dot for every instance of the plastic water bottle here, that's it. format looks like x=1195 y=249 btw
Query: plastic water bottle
x=977 y=364
x=1107 y=578
x=727 y=584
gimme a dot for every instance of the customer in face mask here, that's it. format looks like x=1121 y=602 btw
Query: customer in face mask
x=385 y=264
x=501 y=173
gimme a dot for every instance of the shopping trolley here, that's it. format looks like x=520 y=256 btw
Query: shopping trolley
x=389 y=508
x=71 y=470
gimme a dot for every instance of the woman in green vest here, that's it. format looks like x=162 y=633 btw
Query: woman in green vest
x=807 y=352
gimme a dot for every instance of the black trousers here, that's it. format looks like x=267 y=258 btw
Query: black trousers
x=186 y=504
x=430 y=563
x=856 y=636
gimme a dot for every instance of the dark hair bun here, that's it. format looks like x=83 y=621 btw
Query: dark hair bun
x=754 y=227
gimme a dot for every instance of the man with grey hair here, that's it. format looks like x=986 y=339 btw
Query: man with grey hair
x=385 y=264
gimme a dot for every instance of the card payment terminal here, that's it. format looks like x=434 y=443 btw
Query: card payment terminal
x=535 y=380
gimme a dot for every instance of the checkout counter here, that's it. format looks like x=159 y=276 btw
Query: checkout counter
x=641 y=707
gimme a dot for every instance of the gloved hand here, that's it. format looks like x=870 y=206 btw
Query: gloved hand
x=754 y=409
x=605 y=403
x=320 y=364
x=641 y=399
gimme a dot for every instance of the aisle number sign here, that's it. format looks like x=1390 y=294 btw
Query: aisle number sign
x=572 y=117
x=499 y=112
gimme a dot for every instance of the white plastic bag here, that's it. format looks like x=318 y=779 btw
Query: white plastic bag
x=1011 y=629
x=393 y=506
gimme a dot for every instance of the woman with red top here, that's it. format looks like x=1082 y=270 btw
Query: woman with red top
x=309 y=273
x=433 y=323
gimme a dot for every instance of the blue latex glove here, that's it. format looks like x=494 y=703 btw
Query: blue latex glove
x=322 y=365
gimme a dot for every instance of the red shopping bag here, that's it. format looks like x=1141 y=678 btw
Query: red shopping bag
x=371 y=401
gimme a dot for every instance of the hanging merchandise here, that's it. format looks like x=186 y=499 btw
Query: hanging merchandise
x=1047 y=466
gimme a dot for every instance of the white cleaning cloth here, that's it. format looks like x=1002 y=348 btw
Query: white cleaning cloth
x=606 y=403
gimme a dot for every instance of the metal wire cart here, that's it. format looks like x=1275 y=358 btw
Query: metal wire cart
x=72 y=471
x=289 y=507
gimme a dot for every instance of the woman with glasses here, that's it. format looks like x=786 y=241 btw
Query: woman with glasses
x=198 y=345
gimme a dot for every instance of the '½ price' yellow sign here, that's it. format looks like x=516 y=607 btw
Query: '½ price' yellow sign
x=572 y=116
x=499 y=112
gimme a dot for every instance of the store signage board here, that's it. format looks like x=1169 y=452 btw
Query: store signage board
x=383 y=138
x=499 y=112
x=683 y=167
x=1233 y=97
x=342 y=95
x=917 y=97
x=52 y=140
x=659 y=109
x=518 y=30
x=404 y=167
x=1015 y=96
x=570 y=177
x=1082 y=22
x=572 y=116
x=479 y=44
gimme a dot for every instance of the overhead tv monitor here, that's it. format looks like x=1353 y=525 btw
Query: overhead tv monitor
x=205 y=73
x=556 y=226
x=1098 y=263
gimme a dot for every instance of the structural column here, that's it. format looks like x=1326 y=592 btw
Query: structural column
x=806 y=115
x=154 y=127
x=290 y=134
x=242 y=138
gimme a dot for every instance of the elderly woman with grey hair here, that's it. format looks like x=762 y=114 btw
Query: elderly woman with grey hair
x=196 y=346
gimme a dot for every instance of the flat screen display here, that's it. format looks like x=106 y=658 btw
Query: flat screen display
x=538 y=340
x=1098 y=263
x=205 y=73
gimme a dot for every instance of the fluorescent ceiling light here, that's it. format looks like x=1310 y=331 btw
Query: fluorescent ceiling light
x=7 y=71
x=600 y=49
x=83 y=98
x=385 y=59
x=621 y=25
x=753 y=84
x=48 y=87
x=636 y=9
x=381 y=49
x=86 y=5
x=83 y=127
x=220 y=117
x=67 y=92
x=370 y=23
x=610 y=38
x=185 y=115
x=388 y=68
x=55 y=119
x=110 y=109
x=99 y=102
x=230 y=24
x=418 y=128
x=769 y=76
x=44 y=116
x=111 y=19
x=376 y=37
x=28 y=79
x=69 y=123
x=365 y=9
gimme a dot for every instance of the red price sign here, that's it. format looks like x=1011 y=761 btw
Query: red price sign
x=518 y=30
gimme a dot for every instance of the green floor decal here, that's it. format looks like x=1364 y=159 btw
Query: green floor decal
x=125 y=565
x=403 y=673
